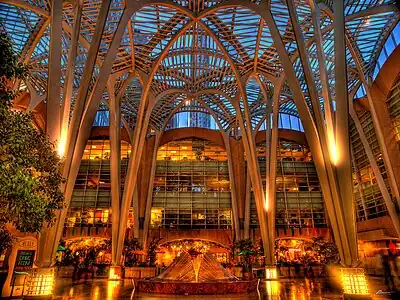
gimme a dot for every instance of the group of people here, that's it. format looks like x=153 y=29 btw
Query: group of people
x=83 y=271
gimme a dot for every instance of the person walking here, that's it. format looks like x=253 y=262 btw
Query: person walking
x=387 y=270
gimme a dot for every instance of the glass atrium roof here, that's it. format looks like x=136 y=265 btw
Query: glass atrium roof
x=198 y=55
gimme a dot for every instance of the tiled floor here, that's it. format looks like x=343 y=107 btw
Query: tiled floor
x=302 y=289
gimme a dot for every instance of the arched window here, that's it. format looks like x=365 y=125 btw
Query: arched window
x=287 y=121
x=391 y=43
x=186 y=119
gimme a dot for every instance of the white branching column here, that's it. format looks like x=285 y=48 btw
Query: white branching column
x=325 y=150
x=83 y=115
x=235 y=214
x=271 y=150
x=267 y=233
x=115 y=163
x=149 y=198
x=41 y=281
x=338 y=201
x=133 y=168
x=44 y=257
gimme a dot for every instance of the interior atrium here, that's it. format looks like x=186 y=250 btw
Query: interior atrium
x=195 y=124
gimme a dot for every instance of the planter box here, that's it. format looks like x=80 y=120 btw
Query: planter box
x=237 y=271
x=284 y=272
x=318 y=271
x=140 y=272
x=65 y=271
x=102 y=271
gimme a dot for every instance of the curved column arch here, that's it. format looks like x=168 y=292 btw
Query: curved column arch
x=285 y=134
x=319 y=148
x=175 y=110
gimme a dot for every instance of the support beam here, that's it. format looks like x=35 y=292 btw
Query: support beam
x=149 y=199
x=81 y=124
x=83 y=91
x=69 y=77
x=44 y=257
x=271 y=161
x=359 y=183
x=133 y=168
x=319 y=149
x=234 y=202
x=54 y=80
x=255 y=176
x=247 y=213
x=343 y=164
x=135 y=208
x=115 y=168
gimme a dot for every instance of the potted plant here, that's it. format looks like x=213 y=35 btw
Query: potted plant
x=132 y=248
x=245 y=249
x=327 y=252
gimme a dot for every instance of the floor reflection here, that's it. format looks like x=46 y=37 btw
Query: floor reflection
x=275 y=290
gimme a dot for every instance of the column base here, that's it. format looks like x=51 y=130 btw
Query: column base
x=115 y=273
x=271 y=273
x=41 y=283
x=354 y=283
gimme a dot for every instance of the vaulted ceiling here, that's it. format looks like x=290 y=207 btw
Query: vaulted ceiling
x=197 y=54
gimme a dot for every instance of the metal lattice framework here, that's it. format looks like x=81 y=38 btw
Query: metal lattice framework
x=192 y=45
x=241 y=61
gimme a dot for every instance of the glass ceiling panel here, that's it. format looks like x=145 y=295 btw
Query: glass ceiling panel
x=195 y=62
x=20 y=24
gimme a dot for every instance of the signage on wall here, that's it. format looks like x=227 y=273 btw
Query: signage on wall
x=24 y=260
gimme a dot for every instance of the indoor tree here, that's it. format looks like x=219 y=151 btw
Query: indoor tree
x=131 y=245
x=30 y=174
x=152 y=251
x=245 y=249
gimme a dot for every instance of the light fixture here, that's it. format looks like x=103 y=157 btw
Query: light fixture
x=354 y=283
x=115 y=273
x=41 y=282
x=271 y=273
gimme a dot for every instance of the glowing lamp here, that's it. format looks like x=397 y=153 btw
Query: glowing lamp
x=271 y=273
x=41 y=282
x=354 y=283
x=115 y=273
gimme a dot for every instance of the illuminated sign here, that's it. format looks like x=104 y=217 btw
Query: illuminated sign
x=24 y=260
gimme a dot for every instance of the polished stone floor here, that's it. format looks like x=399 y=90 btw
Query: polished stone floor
x=302 y=289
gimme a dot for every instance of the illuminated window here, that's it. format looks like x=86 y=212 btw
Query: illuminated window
x=91 y=198
x=369 y=200
x=191 y=186
x=393 y=104
x=299 y=201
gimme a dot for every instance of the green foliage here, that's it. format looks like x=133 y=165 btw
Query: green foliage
x=10 y=69
x=5 y=239
x=30 y=174
x=151 y=251
x=246 y=250
x=77 y=251
x=327 y=250
x=130 y=246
